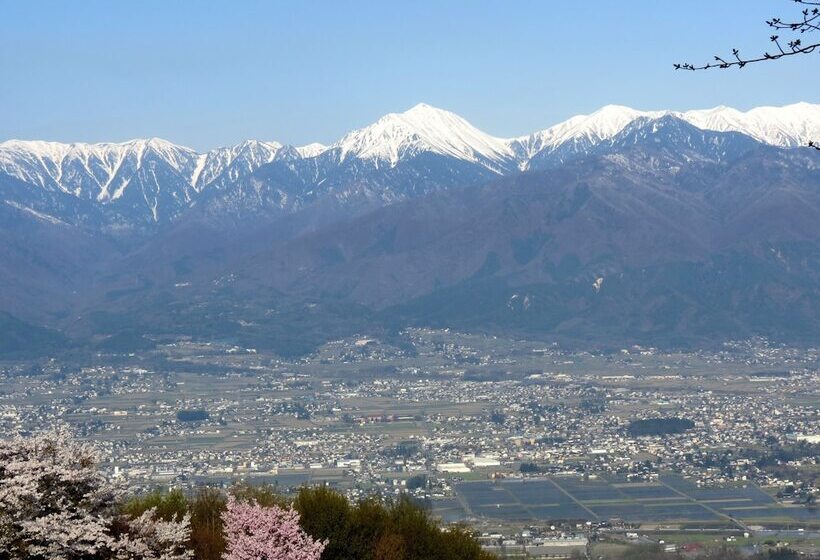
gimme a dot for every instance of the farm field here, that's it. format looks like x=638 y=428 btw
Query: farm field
x=671 y=500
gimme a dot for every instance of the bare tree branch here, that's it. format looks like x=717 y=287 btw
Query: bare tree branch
x=809 y=22
x=794 y=46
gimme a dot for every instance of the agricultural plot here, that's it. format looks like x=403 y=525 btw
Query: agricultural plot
x=647 y=492
x=685 y=511
x=537 y=492
x=749 y=503
x=511 y=512
x=750 y=494
x=627 y=511
x=671 y=500
x=774 y=514
x=595 y=490
x=563 y=511
x=519 y=500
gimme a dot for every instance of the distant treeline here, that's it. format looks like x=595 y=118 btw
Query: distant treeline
x=772 y=373
x=779 y=454
x=193 y=415
x=659 y=426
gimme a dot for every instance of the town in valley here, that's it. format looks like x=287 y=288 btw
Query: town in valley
x=542 y=448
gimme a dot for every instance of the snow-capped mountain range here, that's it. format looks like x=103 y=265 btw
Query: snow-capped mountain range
x=617 y=226
x=158 y=180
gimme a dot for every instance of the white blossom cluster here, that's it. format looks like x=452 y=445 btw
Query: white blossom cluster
x=56 y=505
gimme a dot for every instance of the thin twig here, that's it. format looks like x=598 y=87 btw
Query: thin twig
x=810 y=23
x=796 y=47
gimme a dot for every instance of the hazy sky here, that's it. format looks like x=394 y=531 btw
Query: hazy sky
x=207 y=74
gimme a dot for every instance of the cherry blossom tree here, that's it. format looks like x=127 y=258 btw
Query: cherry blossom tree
x=254 y=532
x=148 y=537
x=56 y=505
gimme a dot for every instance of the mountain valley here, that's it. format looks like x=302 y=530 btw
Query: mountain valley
x=618 y=227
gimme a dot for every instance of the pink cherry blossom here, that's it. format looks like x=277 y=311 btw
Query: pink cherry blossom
x=266 y=533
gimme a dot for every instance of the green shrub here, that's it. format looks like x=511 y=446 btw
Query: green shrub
x=326 y=514
x=367 y=530
x=207 y=537
x=264 y=495
x=169 y=505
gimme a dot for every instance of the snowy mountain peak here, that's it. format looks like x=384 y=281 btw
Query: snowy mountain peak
x=232 y=161
x=421 y=108
x=311 y=150
x=590 y=129
x=104 y=171
x=424 y=128
x=610 y=120
x=788 y=126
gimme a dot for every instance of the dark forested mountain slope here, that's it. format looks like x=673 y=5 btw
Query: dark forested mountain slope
x=658 y=232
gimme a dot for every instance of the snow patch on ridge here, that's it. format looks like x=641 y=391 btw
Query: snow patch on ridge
x=39 y=215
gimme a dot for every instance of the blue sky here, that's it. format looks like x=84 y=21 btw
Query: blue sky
x=207 y=74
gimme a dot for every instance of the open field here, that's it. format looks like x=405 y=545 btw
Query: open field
x=671 y=501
